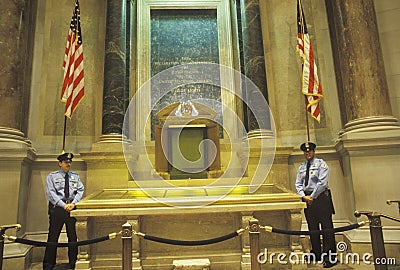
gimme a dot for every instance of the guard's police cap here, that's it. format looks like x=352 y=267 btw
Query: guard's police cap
x=67 y=157
x=308 y=146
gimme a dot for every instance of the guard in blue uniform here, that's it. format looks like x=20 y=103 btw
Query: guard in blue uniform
x=312 y=185
x=63 y=190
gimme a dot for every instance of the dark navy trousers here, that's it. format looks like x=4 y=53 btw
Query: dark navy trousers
x=57 y=218
x=319 y=216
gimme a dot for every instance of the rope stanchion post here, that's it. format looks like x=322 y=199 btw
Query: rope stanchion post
x=375 y=229
x=126 y=246
x=3 y=230
x=254 y=235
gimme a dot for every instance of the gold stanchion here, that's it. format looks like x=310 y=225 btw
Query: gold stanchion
x=375 y=229
x=126 y=246
x=254 y=233
x=3 y=230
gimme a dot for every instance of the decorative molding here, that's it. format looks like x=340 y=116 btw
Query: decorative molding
x=370 y=124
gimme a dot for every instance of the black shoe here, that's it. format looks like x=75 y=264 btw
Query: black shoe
x=329 y=264
x=310 y=258
x=48 y=267
x=317 y=255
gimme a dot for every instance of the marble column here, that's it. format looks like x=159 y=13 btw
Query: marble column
x=106 y=166
x=252 y=59
x=362 y=85
x=15 y=41
x=115 y=92
x=370 y=139
x=128 y=55
x=17 y=25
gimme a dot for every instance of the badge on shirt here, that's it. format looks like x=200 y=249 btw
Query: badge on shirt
x=74 y=185
x=323 y=165
x=58 y=181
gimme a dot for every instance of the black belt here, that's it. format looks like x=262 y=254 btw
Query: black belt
x=65 y=201
x=326 y=192
x=51 y=205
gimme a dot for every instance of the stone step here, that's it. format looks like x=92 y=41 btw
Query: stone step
x=59 y=266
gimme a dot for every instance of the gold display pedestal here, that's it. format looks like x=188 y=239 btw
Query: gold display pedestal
x=175 y=138
x=104 y=212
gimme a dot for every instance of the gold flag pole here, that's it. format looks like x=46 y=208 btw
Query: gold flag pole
x=301 y=21
x=302 y=69
x=65 y=128
x=307 y=124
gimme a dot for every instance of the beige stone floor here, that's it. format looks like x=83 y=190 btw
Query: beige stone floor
x=38 y=266
x=61 y=266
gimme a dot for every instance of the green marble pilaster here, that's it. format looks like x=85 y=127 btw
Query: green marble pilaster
x=115 y=92
x=253 y=64
x=362 y=85
x=129 y=40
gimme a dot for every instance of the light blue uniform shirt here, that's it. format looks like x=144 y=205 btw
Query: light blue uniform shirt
x=318 y=178
x=55 y=184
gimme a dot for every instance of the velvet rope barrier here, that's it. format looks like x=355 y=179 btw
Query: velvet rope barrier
x=43 y=244
x=191 y=243
x=335 y=230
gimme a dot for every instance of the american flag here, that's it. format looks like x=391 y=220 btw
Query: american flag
x=73 y=84
x=311 y=87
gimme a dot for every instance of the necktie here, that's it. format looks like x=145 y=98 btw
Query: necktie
x=307 y=173
x=66 y=187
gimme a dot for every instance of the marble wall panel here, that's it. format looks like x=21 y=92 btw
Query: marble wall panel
x=190 y=227
x=183 y=36
x=46 y=110
x=284 y=72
